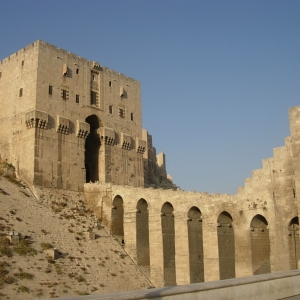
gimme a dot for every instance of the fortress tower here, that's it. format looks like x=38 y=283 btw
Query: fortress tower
x=66 y=120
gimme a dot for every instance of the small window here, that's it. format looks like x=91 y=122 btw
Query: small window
x=0 y=74
x=50 y=89
x=22 y=63
x=21 y=92
x=77 y=71
x=94 y=97
x=122 y=112
x=131 y=116
x=77 y=98
x=64 y=94
x=110 y=108
x=109 y=84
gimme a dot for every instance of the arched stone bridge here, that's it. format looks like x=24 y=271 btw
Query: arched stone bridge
x=188 y=237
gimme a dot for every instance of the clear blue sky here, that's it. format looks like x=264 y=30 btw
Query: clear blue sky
x=217 y=77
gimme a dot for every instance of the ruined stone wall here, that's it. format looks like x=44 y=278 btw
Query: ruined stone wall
x=155 y=173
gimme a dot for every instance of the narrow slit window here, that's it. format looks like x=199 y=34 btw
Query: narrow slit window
x=77 y=71
x=110 y=108
x=21 y=92
x=122 y=112
x=22 y=63
x=131 y=116
x=109 y=84
x=50 y=89
x=77 y=98
x=94 y=97
x=64 y=94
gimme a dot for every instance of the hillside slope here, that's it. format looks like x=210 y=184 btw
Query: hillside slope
x=84 y=266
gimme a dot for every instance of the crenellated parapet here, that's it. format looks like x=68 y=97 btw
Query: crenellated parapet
x=36 y=119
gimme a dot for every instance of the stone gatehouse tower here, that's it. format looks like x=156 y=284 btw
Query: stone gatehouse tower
x=66 y=120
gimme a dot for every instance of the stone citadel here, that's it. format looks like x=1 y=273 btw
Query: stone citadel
x=71 y=126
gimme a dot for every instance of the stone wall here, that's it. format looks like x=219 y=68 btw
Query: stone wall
x=224 y=236
x=211 y=206
x=66 y=120
x=280 y=285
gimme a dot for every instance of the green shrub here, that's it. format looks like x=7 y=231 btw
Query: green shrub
x=46 y=246
x=24 y=248
x=23 y=289
x=23 y=275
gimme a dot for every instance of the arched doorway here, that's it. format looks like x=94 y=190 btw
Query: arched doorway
x=92 y=145
x=195 y=237
x=260 y=245
x=168 y=236
x=294 y=243
x=142 y=233
x=226 y=246
x=117 y=218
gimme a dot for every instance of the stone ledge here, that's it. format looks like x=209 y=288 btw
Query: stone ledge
x=273 y=286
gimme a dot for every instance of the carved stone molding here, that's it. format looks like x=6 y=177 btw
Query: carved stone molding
x=126 y=141
x=62 y=124
x=140 y=145
x=107 y=135
x=36 y=119
x=82 y=129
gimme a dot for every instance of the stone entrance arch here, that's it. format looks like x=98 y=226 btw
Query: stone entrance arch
x=168 y=237
x=142 y=233
x=226 y=246
x=195 y=237
x=92 y=145
x=260 y=245
x=294 y=243
x=117 y=218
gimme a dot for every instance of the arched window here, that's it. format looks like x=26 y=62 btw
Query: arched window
x=142 y=233
x=294 y=243
x=92 y=145
x=195 y=237
x=226 y=246
x=117 y=218
x=260 y=245
x=168 y=235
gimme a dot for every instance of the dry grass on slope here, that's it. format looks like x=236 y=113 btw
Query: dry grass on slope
x=83 y=267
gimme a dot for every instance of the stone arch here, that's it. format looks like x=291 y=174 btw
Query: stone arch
x=168 y=238
x=226 y=246
x=294 y=243
x=117 y=218
x=195 y=238
x=92 y=145
x=260 y=245
x=142 y=233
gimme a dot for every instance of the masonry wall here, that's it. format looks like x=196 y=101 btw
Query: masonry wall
x=210 y=206
x=259 y=234
x=18 y=82
x=68 y=106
